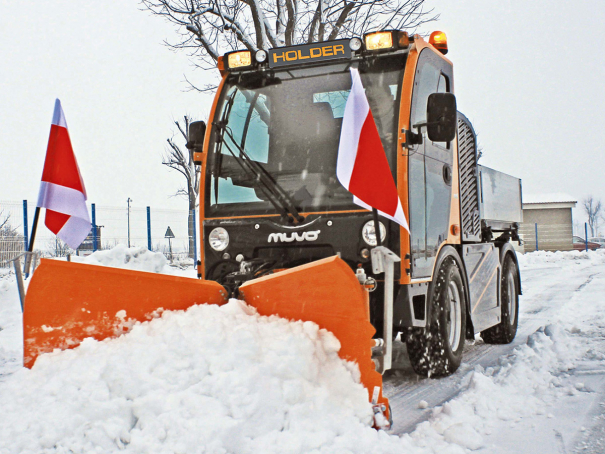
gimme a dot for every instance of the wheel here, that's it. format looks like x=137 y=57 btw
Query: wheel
x=505 y=331
x=437 y=350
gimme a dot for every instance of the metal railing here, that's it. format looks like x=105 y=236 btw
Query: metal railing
x=135 y=226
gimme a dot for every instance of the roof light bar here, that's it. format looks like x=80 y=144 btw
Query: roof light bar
x=386 y=40
x=379 y=40
x=240 y=59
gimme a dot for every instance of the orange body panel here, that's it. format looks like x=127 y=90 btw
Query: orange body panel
x=328 y=293
x=202 y=184
x=68 y=302
x=405 y=108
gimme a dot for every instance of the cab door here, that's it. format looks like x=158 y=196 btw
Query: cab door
x=430 y=169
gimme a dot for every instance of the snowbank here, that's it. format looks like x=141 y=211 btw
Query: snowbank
x=134 y=258
x=522 y=386
x=223 y=379
x=596 y=257
x=211 y=379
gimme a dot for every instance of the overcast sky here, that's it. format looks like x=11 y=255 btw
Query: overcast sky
x=529 y=75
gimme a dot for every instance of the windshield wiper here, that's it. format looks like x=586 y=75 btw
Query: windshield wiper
x=280 y=199
x=274 y=193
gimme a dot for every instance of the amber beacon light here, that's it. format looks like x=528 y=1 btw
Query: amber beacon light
x=439 y=41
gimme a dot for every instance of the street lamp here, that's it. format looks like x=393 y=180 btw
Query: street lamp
x=128 y=201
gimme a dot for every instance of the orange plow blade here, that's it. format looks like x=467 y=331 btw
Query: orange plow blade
x=68 y=302
x=328 y=293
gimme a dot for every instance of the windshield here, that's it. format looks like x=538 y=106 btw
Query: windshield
x=275 y=140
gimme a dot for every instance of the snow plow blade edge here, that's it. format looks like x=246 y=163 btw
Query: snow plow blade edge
x=67 y=302
x=328 y=293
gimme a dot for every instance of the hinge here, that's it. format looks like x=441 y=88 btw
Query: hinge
x=410 y=138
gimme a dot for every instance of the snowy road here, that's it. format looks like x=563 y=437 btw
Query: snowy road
x=550 y=289
x=544 y=393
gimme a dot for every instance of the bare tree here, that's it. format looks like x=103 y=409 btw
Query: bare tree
x=209 y=28
x=182 y=161
x=593 y=208
x=58 y=248
x=11 y=242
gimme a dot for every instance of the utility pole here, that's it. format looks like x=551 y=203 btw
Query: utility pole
x=128 y=201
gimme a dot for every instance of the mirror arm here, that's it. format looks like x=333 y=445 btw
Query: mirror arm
x=411 y=138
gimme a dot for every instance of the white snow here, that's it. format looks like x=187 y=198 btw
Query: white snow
x=555 y=197
x=134 y=258
x=223 y=379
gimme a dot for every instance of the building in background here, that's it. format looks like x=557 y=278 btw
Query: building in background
x=549 y=215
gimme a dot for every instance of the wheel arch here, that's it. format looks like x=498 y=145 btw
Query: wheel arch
x=453 y=252
x=508 y=249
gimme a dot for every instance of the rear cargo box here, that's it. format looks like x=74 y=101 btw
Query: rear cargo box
x=500 y=200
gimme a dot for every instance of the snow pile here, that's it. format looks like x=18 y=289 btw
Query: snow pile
x=596 y=257
x=211 y=379
x=134 y=258
x=523 y=385
x=225 y=380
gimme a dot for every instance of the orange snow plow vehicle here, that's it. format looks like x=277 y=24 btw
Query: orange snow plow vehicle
x=281 y=233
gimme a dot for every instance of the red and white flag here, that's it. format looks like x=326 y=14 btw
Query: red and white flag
x=362 y=165
x=62 y=190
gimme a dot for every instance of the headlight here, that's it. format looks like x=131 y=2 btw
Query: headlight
x=218 y=239
x=369 y=235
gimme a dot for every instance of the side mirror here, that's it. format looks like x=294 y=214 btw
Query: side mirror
x=195 y=138
x=441 y=117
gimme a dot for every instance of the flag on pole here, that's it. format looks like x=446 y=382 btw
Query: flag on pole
x=362 y=165
x=62 y=190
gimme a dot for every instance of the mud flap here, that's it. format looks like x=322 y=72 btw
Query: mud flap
x=328 y=293
x=68 y=302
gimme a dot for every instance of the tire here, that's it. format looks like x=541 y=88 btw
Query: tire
x=437 y=350
x=506 y=330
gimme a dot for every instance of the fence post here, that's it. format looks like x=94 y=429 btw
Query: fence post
x=149 y=228
x=194 y=239
x=586 y=236
x=536 y=236
x=25 y=233
x=94 y=228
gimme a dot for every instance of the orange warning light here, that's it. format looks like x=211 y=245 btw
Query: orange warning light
x=439 y=41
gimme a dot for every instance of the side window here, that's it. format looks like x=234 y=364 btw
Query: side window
x=427 y=80
x=444 y=86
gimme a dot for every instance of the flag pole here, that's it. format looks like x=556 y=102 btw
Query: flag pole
x=30 y=248
x=32 y=238
x=377 y=227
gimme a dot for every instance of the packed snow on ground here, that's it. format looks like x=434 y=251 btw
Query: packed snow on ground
x=225 y=380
